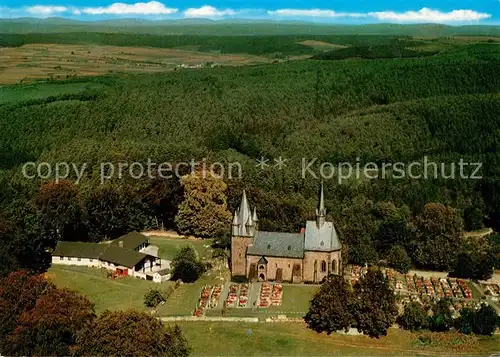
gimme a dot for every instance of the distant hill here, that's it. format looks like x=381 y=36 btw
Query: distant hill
x=237 y=27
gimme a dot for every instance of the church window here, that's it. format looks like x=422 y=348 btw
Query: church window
x=261 y=267
x=289 y=247
x=323 y=266
x=334 y=266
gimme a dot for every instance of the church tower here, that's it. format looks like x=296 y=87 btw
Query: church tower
x=244 y=228
x=320 y=210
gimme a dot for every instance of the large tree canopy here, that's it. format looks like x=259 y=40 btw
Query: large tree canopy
x=204 y=211
x=51 y=326
x=375 y=307
x=438 y=237
x=131 y=333
x=330 y=307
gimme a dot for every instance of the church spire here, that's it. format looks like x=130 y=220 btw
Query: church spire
x=244 y=210
x=321 y=211
x=243 y=223
x=236 y=223
x=255 y=219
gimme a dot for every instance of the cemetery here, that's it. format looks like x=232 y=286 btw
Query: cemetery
x=240 y=297
x=249 y=299
x=270 y=295
x=424 y=289
x=492 y=290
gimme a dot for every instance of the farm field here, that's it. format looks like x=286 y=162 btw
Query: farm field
x=63 y=55
x=287 y=339
x=60 y=61
x=107 y=294
x=43 y=90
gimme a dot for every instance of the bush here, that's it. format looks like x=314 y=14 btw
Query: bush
x=481 y=322
x=153 y=298
x=186 y=266
x=414 y=317
x=441 y=320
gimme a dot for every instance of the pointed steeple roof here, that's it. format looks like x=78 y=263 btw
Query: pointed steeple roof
x=236 y=219
x=249 y=221
x=321 y=211
x=244 y=211
x=254 y=217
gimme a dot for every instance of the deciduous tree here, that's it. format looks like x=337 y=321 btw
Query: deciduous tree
x=441 y=319
x=204 y=210
x=330 y=307
x=186 y=265
x=374 y=307
x=481 y=322
x=51 y=326
x=19 y=292
x=437 y=239
x=414 y=317
x=474 y=265
x=62 y=211
x=399 y=259
x=130 y=333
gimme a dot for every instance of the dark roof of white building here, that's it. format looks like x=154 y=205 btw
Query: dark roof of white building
x=277 y=244
x=131 y=240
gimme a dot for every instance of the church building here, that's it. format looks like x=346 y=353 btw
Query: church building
x=306 y=256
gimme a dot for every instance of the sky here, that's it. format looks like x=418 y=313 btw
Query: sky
x=457 y=12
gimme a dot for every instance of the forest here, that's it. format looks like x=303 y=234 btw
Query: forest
x=259 y=45
x=235 y=27
x=444 y=107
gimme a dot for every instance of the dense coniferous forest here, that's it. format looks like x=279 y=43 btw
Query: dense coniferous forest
x=445 y=107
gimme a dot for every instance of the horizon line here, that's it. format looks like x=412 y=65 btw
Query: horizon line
x=243 y=20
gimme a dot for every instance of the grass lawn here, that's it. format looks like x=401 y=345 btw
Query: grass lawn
x=296 y=299
x=295 y=303
x=120 y=294
x=475 y=290
x=184 y=299
x=294 y=339
x=169 y=246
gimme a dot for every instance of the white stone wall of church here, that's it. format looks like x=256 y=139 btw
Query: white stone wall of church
x=273 y=264
x=309 y=265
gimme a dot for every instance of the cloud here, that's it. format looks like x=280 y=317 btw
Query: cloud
x=429 y=15
x=313 y=13
x=155 y=8
x=45 y=10
x=139 y=8
x=208 y=11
